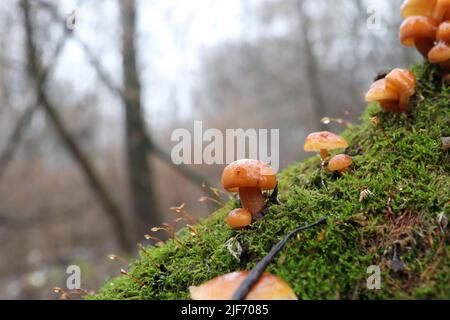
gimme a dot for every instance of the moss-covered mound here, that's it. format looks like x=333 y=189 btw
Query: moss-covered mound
x=389 y=210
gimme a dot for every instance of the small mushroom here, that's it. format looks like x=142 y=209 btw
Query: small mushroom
x=249 y=177
x=323 y=141
x=419 y=31
x=340 y=163
x=417 y=8
x=404 y=82
x=239 y=218
x=268 y=287
x=393 y=92
x=440 y=53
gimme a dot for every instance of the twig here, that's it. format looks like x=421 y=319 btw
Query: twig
x=256 y=273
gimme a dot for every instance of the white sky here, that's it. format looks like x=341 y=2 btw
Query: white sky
x=173 y=35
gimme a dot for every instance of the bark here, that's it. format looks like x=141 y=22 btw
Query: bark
x=141 y=177
x=312 y=68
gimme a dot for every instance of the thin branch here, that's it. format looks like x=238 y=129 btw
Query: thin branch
x=106 y=200
x=256 y=273
x=23 y=122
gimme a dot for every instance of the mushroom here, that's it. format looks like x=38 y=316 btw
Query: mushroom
x=441 y=11
x=440 y=53
x=419 y=31
x=249 y=177
x=268 y=287
x=323 y=141
x=417 y=8
x=340 y=163
x=405 y=83
x=239 y=218
x=393 y=92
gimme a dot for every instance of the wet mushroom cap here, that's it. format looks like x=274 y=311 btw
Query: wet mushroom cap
x=339 y=162
x=417 y=8
x=393 y=92
x=248 y=173
x=439 y=53
x=239 y=218
x=441 y=11
x=380 y=90
x=417 y=27
x=317 y=141
x=268 y=287
x=443 y=32
x=403 y=80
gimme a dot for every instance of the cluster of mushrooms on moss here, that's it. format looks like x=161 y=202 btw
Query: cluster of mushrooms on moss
x=427 y=27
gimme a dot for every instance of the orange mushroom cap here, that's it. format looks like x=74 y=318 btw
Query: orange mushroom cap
x=443 y=31
x=248 y=173
x=441 y=10
x=380 y=90
x=339 y=162
x=419 y=31
x=317 y=141
x=417 y=8
x=268 y=287
x=239 y=218
x=393 y=92
x=439 y=53
x=404 y=81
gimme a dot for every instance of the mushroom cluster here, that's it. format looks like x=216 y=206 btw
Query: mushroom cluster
x=249 y=178
x=427 y=27
x=393 y=91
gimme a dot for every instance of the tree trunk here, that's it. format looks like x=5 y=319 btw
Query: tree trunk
x=141 y=184
x=312 y=68
x=38 y=76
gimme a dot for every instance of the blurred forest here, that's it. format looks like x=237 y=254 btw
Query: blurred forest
x=90 y=92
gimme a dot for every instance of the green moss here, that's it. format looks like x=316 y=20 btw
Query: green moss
x=398 y=158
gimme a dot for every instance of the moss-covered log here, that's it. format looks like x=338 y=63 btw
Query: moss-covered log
x=389 y=210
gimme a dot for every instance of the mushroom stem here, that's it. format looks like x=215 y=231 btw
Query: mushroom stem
x=324 y=154
x=252 y=199
x=423 y=45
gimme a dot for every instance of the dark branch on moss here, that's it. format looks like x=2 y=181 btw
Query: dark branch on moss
x=256 y=273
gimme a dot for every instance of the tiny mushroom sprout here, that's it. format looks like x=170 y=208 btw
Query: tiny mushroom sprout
x=340 y=163
x=419 y=31
x=393 y=92
x=239 y=218
x=249 y=177
x=268 y=287
x=323 y=141
x=440 y=53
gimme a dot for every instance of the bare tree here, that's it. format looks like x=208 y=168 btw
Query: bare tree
x=312 y=67
x=38 y=76
x=139 y=170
